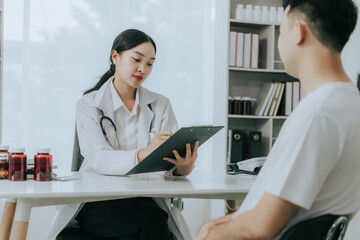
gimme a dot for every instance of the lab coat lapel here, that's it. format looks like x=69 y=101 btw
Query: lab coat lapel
x=145 y=118
x=103 y=101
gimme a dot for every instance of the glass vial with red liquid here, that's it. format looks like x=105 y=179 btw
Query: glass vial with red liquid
x=43 y=165
x=4 y=161
x=17 y=164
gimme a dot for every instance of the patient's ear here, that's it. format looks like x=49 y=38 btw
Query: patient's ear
x=300 y=32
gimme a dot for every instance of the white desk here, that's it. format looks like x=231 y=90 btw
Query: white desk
x=95 y=187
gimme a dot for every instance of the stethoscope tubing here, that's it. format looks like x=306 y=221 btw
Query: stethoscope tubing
x=103 y=117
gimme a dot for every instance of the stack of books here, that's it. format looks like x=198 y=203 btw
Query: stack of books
x=244 y=50
x=279 y=98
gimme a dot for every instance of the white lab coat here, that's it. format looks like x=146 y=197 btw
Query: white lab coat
x=99 y=155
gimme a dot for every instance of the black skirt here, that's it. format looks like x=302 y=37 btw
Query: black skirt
x=125 y=219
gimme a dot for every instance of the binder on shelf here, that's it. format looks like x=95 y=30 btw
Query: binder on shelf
x=269 y=103
x=232 y=48
x=236 y=145
x=263 y=54
x=281 y=109
x=282 y=86
x=274 y=101
x=247 y=49
x=254 y=144
x=244 y=144
x=239 y=50
x=288 y=98
x=263 y=98
x=255 y=50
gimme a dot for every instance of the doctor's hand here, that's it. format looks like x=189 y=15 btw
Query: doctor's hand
x=185 y=165
x=158 y=139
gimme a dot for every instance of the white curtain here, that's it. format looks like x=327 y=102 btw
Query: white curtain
x=56 y=49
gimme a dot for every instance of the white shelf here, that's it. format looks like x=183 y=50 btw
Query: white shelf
x=257 y=70
x=256 y=117
x=253 y=23
x=249 y=81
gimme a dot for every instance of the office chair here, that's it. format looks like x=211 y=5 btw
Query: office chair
x=325 y=227
x=77 y=158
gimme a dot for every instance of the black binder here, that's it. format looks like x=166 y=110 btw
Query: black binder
x=255 y=144
x=154 y=162
x=237 y=145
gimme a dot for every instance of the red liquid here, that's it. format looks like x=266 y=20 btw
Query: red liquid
x=17 y=167
x=4 y=169
x=4 y=164
x=43 y=167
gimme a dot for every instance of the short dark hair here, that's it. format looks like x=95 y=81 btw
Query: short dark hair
x=331 y=21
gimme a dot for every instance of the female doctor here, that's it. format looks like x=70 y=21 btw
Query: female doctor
x=114 y=121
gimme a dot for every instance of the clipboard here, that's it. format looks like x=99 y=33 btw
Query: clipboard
x=155 y=163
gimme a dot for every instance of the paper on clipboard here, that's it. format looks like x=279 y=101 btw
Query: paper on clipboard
x=154 y=162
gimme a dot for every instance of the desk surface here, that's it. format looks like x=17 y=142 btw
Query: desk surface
x=199 y=184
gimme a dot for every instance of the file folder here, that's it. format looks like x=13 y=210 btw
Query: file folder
x=155 y=163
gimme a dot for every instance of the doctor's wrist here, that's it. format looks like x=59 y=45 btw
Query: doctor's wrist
x=139 y=156
x=143 y=153
x=178 y=172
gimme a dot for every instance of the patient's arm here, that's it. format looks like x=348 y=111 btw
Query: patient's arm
x=265 y=221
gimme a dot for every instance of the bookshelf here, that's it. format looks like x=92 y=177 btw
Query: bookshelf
x=247 y=82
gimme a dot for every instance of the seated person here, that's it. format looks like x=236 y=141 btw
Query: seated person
x=114 y=120
x=313 y=168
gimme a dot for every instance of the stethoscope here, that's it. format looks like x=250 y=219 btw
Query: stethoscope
x=103 y=117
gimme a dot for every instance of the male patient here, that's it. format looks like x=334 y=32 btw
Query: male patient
x=313 y=168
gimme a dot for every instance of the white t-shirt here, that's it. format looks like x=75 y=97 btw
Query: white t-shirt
x=315 y=161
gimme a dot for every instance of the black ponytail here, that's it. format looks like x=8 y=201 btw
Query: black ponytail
x=126 y=40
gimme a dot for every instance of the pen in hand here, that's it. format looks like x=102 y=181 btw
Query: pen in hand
x=152 y=133
x=156 y=139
